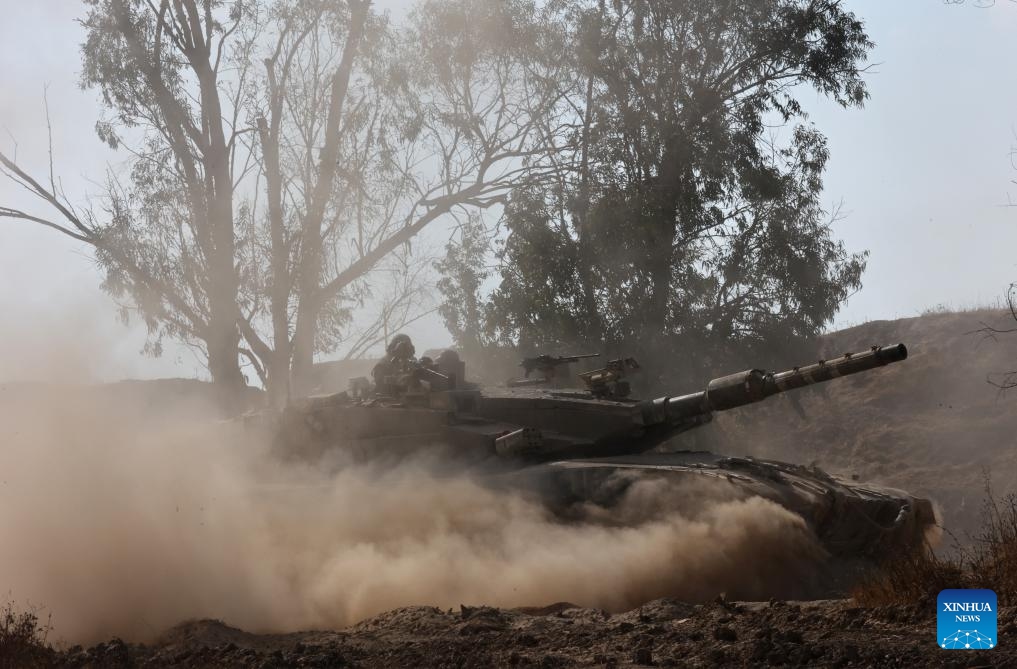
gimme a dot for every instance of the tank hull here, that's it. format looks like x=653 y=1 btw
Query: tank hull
x=597 y=443
x=849 y=519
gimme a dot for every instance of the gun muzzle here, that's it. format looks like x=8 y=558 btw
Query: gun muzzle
x=824 y=370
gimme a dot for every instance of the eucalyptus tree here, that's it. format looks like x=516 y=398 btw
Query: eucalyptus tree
x=282 y=156
x=687 y=215
x=450 y=115
x=165 y=236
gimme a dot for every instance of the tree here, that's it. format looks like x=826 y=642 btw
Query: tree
x=464 y=271
x=680 y=220
x=263 y=203
x=158 y=69
x=468 y=117
x=308 y=127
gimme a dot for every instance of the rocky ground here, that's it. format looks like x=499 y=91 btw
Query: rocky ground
x=663 y=633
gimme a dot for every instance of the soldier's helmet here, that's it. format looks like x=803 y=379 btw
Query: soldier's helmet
x=400 y=346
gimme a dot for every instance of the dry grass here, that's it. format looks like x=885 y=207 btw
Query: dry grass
x=23 y=639
x=993 y=559
x=909 y=579
x=987 y=560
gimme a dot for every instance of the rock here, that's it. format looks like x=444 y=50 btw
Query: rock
x=724 y=633
x=760 y=649
x=480 y=627
x=527 y=640
x=552 y=661
x=113 y=653
x=792 y=636
x=643 y=657
x=717 y=657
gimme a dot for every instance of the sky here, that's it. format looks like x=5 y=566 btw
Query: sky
x=924 y=170
x=923 y=173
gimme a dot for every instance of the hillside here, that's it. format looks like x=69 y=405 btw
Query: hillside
x=932 y=425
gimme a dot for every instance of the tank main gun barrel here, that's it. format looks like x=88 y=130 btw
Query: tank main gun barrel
x=754 y=385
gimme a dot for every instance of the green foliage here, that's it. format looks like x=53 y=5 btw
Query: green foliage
x=464 y=271
x=539 y=302
x=683 y=221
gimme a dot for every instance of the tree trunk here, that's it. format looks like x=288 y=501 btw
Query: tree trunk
x=661 y=270
x=587 y=256
x=309 y=272
x=278 y=386
x=224 y=337
x=278 y=364
x=224 y=362
x=303 y=352
x=667 y=195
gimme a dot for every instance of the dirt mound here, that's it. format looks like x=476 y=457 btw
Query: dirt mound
x=662 y=633
x=932 y=425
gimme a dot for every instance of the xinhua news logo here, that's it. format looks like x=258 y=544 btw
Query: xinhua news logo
x=966 y=619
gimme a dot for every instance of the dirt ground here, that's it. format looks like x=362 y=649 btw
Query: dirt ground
x=662 y=633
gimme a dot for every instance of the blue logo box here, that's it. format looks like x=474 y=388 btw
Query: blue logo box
x=966 y=619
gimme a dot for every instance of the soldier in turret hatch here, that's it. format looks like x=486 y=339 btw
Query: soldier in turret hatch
x=400 y=347
x=393 y=372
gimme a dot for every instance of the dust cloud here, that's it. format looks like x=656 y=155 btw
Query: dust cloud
x=122 y=517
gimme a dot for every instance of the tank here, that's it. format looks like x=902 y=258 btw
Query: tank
x=573 y=446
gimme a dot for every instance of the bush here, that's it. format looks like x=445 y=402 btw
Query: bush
x=910 y=579
x=993 y=561
x=23 y=639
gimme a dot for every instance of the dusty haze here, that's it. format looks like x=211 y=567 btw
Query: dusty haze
x=122 y=515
